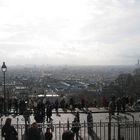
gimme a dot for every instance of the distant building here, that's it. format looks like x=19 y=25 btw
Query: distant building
x=49 y=96
x=21 y=91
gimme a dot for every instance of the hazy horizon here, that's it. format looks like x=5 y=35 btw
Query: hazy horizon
x=67 y=65
x=75 y=32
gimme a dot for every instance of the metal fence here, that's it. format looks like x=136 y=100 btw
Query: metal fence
x=119 y=130
x=130 y=130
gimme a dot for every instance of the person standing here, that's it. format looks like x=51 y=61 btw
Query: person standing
x=48 y=134
x=112 y=106
x=33 y=132
x=90 y=125
x=76 y=127
x=22 y=106
x=118 y=105
x=16 y=105
x=49 y=113
x=56 y=105
x=68 y=135
x=8 y=131
x=77 y=116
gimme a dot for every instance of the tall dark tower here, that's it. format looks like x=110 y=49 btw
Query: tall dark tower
x=137 y=69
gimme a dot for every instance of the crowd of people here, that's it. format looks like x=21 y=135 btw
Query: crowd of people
x=119 y=104
x=42 y=108
x=38 y=107
x=18 y=106
x=34 y=131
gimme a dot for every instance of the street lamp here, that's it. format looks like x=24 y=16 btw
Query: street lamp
x=4 y=69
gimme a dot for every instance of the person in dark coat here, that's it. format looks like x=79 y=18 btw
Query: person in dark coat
x=39 y=118
x=22 y=107
x=76 y=127
x=123 y=102
x=48 y=134
x=8 y=131
x=68 y=135
x=112 y=106
x=77 y=116
x=56 y=105
x=49 y=113
x=90 y=125
x=33 y=132
x=118 y=105
x=40 y=115
x=15 y=104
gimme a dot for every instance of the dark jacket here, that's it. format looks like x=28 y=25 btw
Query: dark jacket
x=75 y=126
x=33 y=134
x=48 y=136
x=39 y=117
x=7 y=131
x=90 y=120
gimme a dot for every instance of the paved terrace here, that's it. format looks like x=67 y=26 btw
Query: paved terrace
x=100 y=118
x=99 y=114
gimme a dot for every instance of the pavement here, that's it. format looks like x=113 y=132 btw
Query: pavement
x=99 y=115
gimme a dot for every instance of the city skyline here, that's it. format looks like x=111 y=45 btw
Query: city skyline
x=76 y=32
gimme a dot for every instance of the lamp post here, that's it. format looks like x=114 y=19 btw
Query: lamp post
x=4 y=69
x=109 y=127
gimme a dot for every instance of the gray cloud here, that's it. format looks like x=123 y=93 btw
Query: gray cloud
x=101 y=32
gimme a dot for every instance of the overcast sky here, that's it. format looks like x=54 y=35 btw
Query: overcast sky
x=75 y=32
